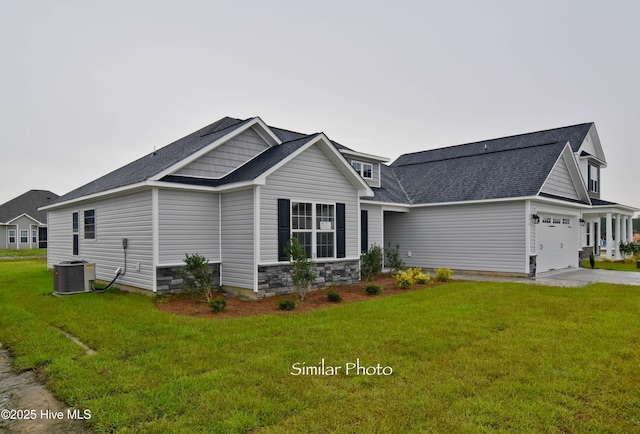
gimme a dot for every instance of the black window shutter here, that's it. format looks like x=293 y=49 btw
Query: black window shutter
x=284 y=230
x=364 y=231
x=341 y=231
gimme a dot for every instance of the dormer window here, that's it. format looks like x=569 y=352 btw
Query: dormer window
x=364 y=169
x=594 y=178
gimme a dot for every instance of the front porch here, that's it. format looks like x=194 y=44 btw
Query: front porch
x=604 y=238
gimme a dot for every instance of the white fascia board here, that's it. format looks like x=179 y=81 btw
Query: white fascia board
x=102 y=194
x=364 y=155
x=338 y=159
x=616 y=208
x=387 y=206
x=24 y=214
x=261 y=129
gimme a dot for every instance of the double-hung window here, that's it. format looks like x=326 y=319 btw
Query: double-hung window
x=302 y=225
x=90 y=224
x=364 y=169
x=75 y=225
x=594 y=178
x=314 y=226
x=325 y=231
x=320 y=228
x=24 y=236
x=12 y=236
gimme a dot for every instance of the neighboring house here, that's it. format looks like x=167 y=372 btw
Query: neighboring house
x=237 y=190
x=22 y=225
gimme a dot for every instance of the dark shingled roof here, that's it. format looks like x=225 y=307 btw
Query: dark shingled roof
x=151 y=164
x=27 y=203
x=507 y=167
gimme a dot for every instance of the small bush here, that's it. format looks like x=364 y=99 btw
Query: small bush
x=334 y=297
x=394 y=262
x=371 y=263
x=422 y=279
x=373 y=289
x=286 y=304
x=443 y=274
x=404 y=279
x=218 y=304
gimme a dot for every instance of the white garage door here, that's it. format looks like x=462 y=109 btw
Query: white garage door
x=556 y=237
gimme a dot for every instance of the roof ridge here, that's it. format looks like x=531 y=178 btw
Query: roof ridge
x=476 y=154
x=498 y=138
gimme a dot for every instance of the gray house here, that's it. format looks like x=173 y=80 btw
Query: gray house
x=22 y=225
x=237 y=190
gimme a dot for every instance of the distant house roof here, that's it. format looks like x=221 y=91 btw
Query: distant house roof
x=27 y=203
x=506 y=167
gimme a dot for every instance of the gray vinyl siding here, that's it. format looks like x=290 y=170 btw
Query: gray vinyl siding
x=3 y=237
x=374 y=214
x=559 y=182
x=226 y=157
x=127 y=216
x=188 y=222
x=480 y=237
x=309 y=177
x=375 y=172
x=238 y=267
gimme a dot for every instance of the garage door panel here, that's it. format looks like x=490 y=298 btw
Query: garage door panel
x=555 y=237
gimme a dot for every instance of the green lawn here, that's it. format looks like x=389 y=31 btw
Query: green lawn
x=22 y=252
x=607 y=265
x=466 y=357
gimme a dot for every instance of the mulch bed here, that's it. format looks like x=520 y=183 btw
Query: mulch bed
x=182 y=304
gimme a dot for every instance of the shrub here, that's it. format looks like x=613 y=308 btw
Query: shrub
x=218 y=304
x=196 y=278
x=443 y=274
x=303 y=269
x=334 y=297
x=373 y=289
x=404 y=279
x=394 y=262
x=286 y=304
x=371 y=263
x=422 y=279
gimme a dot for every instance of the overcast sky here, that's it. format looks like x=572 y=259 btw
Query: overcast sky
x=88 y=86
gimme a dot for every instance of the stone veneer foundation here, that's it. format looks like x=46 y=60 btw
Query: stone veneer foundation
x=170 y=282
x=276 y=279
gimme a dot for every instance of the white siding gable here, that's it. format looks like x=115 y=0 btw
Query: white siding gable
x=559 y=182
x=227 y=157
x=309 y=177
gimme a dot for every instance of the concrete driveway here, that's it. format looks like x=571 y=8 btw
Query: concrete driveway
x=565 y=277
x=587 y=276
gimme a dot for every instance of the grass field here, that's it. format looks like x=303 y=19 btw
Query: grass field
x=609 y=265
x=466 y=357
x=22 y=252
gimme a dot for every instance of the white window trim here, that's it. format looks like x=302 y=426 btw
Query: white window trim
x=95 y=225
x=361 y=171
x=22 y=231
x=314 y=231
x=15 y=236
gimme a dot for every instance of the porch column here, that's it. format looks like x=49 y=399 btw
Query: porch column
x=623 y=229
x=617 y=241
x=608 y=235
x=630 y=229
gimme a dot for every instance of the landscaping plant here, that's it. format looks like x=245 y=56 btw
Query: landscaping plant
x=373 y=289
x=443 y=274
x=394 y=262
x=334 y=297
x=303 y=269
x=196 y=277
x=218 y=304
x=371 y=263
x=286 y=304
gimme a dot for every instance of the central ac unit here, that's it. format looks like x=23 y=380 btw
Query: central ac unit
x=73 y=277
